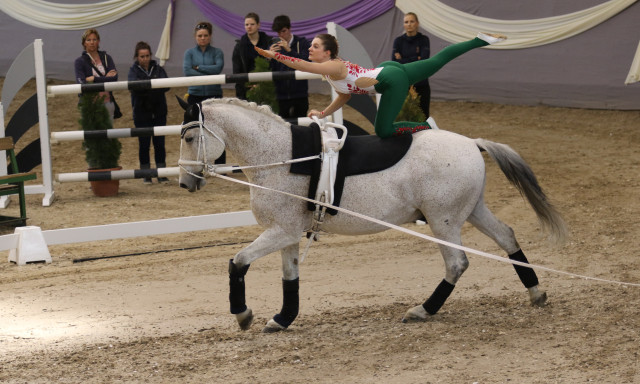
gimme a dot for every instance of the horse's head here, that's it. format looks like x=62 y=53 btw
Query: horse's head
x=199 y=147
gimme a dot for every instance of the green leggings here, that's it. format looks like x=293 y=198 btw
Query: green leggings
x=395 y=79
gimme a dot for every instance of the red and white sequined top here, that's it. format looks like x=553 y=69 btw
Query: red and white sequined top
x=354 y=72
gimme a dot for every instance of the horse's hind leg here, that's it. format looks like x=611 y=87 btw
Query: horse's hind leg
x=456 y=263
x=290 y=289
x=483 y=219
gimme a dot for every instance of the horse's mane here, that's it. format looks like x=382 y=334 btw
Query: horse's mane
x=264 y=109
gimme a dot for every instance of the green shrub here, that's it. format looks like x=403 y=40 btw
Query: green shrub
x=263 y=92
x=99 y=153
x=411 y=110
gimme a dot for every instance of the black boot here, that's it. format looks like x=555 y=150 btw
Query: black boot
x=146 y=180
x=162 y=179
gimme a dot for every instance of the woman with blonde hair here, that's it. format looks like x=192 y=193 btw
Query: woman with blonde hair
x=95 y=66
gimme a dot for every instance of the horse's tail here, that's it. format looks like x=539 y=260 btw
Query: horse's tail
x=522 y=177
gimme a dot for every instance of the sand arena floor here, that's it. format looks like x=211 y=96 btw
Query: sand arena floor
x=162 y=316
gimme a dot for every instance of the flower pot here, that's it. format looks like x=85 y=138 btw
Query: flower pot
x=105 y=188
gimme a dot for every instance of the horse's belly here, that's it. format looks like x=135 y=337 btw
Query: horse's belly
x=391 y=201
x=441 y=174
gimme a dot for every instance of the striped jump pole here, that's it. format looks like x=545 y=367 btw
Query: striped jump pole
x=125 y=174
x=116 y=133
x=172 y=82
x=166 y=130
x=117 y=175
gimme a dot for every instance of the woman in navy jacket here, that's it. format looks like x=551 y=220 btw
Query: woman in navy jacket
x=149 y=108
x=413 y=46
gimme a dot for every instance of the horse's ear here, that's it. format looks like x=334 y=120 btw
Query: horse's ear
x=182 y=102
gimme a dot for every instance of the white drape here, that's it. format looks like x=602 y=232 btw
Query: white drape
x=164 y=46
x=455 y=26
x=634 y=72
x=49 y=15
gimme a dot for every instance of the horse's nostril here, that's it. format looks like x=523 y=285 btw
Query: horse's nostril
x=183 y=185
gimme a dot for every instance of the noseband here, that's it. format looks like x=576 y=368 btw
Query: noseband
x=201 y=157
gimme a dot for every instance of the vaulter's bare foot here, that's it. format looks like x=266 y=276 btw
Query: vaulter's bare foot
x=491 y=38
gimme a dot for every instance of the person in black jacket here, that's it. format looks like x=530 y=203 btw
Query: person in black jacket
x=292 y=95
x=413 y=46
x=244 y=54
x=149 y=108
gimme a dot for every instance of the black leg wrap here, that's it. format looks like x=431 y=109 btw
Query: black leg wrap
x=290 y=303
x=438 y=297
x=526 y=275
x=236 y=287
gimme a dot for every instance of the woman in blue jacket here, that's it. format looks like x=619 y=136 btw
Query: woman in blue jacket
x=203 y=60
x=149 y=108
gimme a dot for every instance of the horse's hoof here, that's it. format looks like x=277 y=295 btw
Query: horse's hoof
x=539 y=300
x=415 y=315
x=272 y=327
x=245 y=319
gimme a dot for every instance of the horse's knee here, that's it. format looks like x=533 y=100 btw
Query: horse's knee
x=241 y=259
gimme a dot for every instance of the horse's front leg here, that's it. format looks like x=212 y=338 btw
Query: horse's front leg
x=269 y=241
x=290 y=291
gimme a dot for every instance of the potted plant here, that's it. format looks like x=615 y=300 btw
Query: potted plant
x=411 y=110
x=100 y=154
x=263 y=93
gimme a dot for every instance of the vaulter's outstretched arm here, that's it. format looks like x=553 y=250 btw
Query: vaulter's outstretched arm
x=328 y=68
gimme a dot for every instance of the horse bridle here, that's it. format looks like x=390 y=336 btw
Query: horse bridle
x=202 y=148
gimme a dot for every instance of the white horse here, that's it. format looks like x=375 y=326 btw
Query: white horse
x=441 y=177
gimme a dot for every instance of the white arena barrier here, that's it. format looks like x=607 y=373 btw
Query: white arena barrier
x=21 y=251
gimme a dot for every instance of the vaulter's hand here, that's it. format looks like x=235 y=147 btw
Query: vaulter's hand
x=267 y=54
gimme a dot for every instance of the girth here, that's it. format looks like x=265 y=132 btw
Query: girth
x=360 y=155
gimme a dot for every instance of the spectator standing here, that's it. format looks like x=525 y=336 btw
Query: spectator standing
x=292 y=95
x=414 y=46
x=244 y=53
x=95 y=66
x=203 y=60
x=149 y=108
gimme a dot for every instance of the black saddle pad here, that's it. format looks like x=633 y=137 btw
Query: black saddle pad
x=359 y=155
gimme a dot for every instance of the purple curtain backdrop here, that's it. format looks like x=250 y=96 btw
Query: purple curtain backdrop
x=355 y=14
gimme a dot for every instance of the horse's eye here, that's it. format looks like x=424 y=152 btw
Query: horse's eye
x=188 y=139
